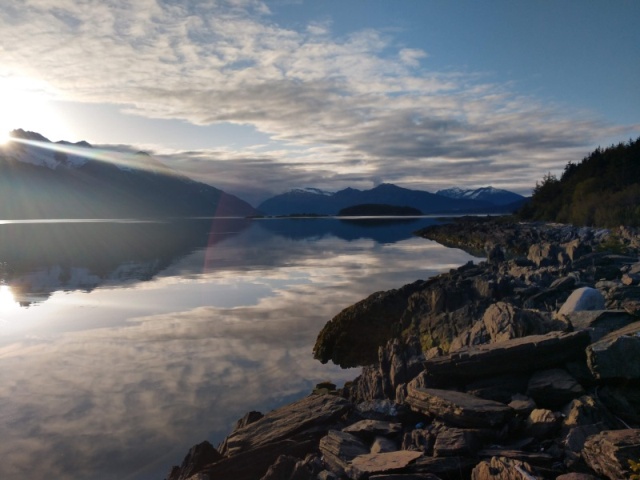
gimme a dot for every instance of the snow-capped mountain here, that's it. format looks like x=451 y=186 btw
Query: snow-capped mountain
x=495 y=196
x=42 y=179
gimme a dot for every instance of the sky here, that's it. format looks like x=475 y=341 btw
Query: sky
x=258 y=97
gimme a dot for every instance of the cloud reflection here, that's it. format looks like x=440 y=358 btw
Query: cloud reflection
x=128 y=400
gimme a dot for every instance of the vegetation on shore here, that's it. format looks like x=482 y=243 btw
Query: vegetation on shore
x=603 y=190
x=368 y=209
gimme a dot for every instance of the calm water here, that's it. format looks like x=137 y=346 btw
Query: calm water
x=124 y=343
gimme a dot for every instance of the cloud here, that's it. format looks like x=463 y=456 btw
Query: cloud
x=331 y=100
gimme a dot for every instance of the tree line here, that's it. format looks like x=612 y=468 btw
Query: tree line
x=603 y=190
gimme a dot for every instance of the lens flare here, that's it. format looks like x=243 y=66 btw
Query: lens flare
x=7 y=300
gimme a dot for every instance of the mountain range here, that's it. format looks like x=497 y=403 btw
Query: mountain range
x=42 y=179
x=318 y=202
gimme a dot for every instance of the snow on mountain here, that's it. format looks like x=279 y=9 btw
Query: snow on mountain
x=489 y=194
x=52 y=157
x=312 y=190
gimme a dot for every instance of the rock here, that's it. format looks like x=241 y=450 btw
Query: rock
x=543 y=254
x=501 y=468
x=341 y=340
x=339 y=448
x=314 y=414
x=457 y=408
x=585 y=298
x=383 y=445
x=522 y=404
x=282 y=469
x=513 y=356
x=576 y=437
x=617 y=355
x=599 y=322
x=374 y=427
x=364 y=466
x=533 y=458
x=541 y=423
x=623 y=400
x=630 y=279
x=444 y=467
x=576 y=476
x=553 y=388
x=608 y=453
x=198 y=457
x=455 y=441
x=500 y=388
x=405 y=476
x=587 y=410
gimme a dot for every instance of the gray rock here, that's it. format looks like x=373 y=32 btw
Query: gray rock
x=553 y=388
x=198 y=457
x=617 y=355
x=513 y=356
x=457 y=408
x=405 y=476
x=585 y=298
x=522 y=404
x=543 y=254
x=576 y=476
x=445 y=467
x=339 y=448
x=364 y=466
x=599 y=322
x=608 y=453
x=587 y=410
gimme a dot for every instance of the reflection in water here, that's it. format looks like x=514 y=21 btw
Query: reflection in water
x=120 y=381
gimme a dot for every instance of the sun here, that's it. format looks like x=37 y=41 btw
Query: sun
x=27 y=103
x=7 y=300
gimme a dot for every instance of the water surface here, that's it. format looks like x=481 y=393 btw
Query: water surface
x=123 y=343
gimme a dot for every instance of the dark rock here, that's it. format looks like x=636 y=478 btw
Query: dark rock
x=500 y=388
x=455 y=441
x=364 y=466
x=617 y=355
x=630 y=279
x=457 y=408
x=405 y=476
x=599 y=322
x=532 y=458
x=576 y=476
x=448 y=468
x=198 y=457
x=543 y=254
x=623 y=400
x=374 y=427
x=608 y=453
x=553 y=388
x=587 y=410
x=522 y=404
x=339 y=448
x=313 y=415
x=282 y=469
x=517 y=355
x=341 y=340
x=541 y=423
x=383 y=445
x=501 y=468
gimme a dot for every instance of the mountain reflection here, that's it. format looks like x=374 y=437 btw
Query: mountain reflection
x=37 y=259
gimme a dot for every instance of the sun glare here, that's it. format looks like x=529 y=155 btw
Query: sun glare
x=7 y=300
x=26 y=103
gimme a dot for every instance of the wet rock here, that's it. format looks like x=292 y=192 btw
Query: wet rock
x=517 y=355
x=617 y=355
x=585 y=298
x=364 y=466
x=553 y=388
x=457 y=408
x=608 y=453
x=339 y=448
x=501 y=468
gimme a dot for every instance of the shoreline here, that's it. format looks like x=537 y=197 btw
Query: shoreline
x=499 y=353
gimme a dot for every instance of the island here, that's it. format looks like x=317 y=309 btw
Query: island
x=378 y=209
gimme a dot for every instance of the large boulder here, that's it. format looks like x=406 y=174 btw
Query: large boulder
x=608 y=453
x=585 y=298
x=339 y=448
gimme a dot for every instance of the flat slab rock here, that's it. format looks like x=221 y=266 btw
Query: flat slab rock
x=512 y=356
x=377 y=463
x=315 y=413
x=374 y=427
x=457 y=408
x=617 y=355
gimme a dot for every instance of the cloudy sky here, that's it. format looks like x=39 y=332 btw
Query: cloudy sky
x=257 y=97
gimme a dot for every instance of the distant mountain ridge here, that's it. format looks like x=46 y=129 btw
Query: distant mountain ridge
x=300 y=201
x=40 y=179
x=496 y=196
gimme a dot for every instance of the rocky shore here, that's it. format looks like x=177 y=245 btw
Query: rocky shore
x=524 y=366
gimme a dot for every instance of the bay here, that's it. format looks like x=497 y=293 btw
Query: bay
x=123 y=342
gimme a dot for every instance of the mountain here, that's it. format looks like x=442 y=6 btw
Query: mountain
x=496 y=196
x=42 y=179
x=308 y=201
